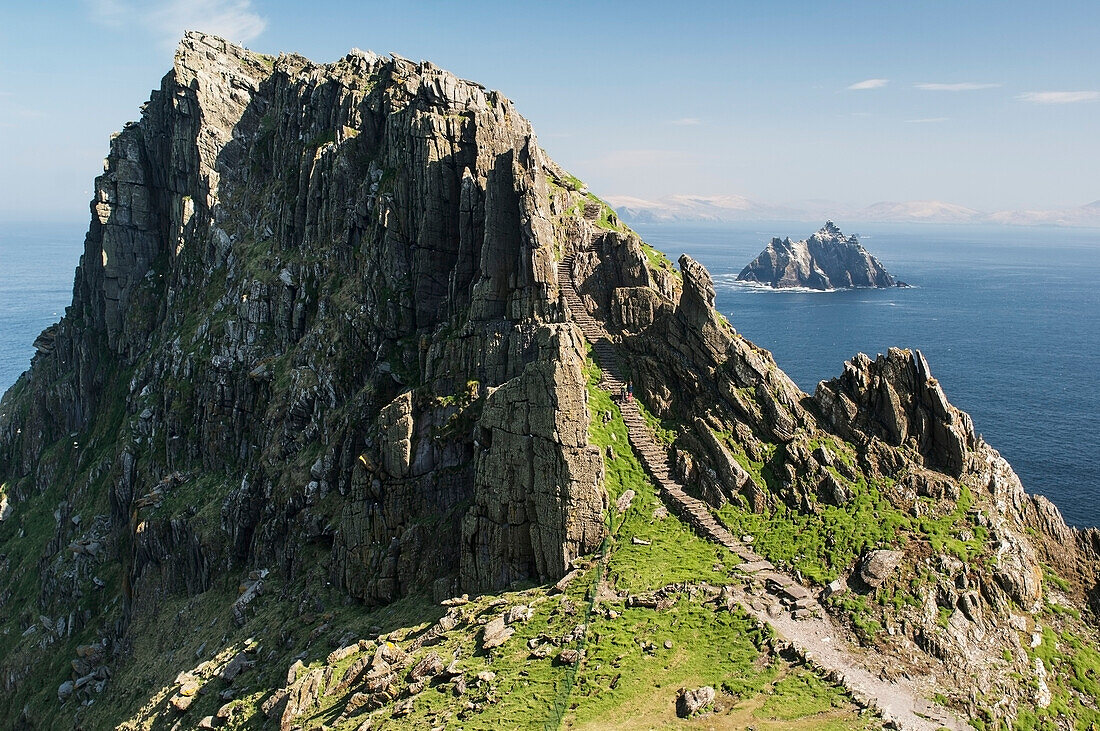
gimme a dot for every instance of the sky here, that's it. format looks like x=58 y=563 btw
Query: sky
x=991 y=105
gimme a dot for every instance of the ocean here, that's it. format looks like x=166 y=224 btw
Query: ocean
x=1008 y=318
x=37 y=266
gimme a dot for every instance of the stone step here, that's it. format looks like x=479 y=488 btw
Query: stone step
x=753 y=567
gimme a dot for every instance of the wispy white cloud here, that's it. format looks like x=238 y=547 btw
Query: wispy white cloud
x=234 y=20
x=869 y=84
x=927 y=120
x=687 y=122
x=961 y=86
x=1058 y=97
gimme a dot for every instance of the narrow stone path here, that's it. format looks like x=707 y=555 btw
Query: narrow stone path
x=804 y=624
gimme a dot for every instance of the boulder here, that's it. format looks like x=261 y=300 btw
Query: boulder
x=690 y=702
x=568 y=656
x=428 y=667
x=238 y=664
x=876 y=566
x=496 y=633
x=65 y=691
x=520 y=613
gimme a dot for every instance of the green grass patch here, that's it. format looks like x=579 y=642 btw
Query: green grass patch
x=623 y=685
x=800 y=695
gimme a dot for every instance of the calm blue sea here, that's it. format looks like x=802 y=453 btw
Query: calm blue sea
x=37 y=265
x=1009 y=319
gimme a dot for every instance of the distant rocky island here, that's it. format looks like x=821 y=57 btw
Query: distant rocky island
x=826 y=260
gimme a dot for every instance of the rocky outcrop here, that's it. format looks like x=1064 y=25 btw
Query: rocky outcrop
x=895 y=398
x=538 y=502
x=826 y=260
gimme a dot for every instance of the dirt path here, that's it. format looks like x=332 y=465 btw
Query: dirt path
x=788 y=607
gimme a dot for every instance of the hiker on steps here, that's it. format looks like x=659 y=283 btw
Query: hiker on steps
x=630 y=391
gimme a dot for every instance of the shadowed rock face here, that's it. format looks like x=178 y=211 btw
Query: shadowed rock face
x=322 y=282
x=826 y=260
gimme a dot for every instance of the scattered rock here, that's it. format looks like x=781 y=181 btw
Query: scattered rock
x=225 y=713
x=623 y=503
x=690 y=702
x=342 y=653
x=274 y=705
x=521 y=613
x=430 y=666
x=834 y=587
x=235 y=667
x=568 y=656
x=64 y=691
x=877 y=566
x=496 y=633
x=565 y=581
x=293 y=671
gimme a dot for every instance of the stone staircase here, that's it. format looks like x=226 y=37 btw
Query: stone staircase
x=806 y=629
x=654 y=457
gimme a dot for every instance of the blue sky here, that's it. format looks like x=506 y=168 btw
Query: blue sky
x=992 y=105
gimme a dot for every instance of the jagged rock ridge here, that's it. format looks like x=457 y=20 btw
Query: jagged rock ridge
x=317 y=342
x=826 y=260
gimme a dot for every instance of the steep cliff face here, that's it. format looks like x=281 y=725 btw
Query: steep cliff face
x=318 y=362
x=317 y=309
x=826 y=260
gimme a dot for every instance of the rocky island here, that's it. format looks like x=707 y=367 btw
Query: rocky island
x=333 y=435
x=827 y=260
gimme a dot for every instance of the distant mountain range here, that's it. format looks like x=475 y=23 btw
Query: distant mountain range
x=727 y=208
